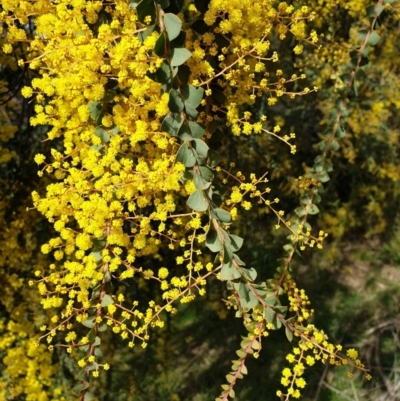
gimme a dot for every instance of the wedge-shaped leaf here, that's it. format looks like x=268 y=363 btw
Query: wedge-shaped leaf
x=200 y=147
x=236 y=242
x=317 y=198
x=173 y=25
x=210 y=193
x=247 y=298
x=374 y=10
x=96 y=292
x=107 y=300
x=281 y=309
x=146 y=33
x=252 y=301
x=239 y=261
x=213 y=243
x=271 y=300
x=185 y=156
x=193 y=95
x=184 y=133
x=300 y=211
x=227 y=240
x=313 y=209
x=179 y=56
x=323 y=177
x=269 y=314
x=362 y=34
x=277 y=322
x=175 y=103
x=92 y=335
x=102 y=327
x=288 y=247
x=183 y=74
x=97 y=256
x=206 y=173
x=215 y=158
x=200 y=182
x=97 y=352
x=101 y=133
x=197 y=201
x=96 y=342
x=261 y=289
x=322 y=146
x=190 y=111
x=88 y=396
x=80 y=387
x=89 y=322
x=94 y=109
x=240 y=353
x=107 y=276
x=146 y=8
x=228 y=253
x=249 y=274
x=229 y=272
x=84 y=348
x=162 y=75
x=197 y=130
x=217 y=199
x=341 y=132
x=160 y=46
x=335 y=145
x=223 y=215
x=318 y=167
x=92 y=366
x=241 y=289
x=289 y=333
x=305 y=199
x=82 y=375
x=172 y=123
x=114 y=130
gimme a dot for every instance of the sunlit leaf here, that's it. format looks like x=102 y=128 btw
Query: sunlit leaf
x=179 y=56
x=173 y=25
x=197 y=201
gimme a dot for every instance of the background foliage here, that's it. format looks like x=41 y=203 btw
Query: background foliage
x=352 y=282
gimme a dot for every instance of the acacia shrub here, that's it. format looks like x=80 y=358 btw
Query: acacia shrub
x=155 y=110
